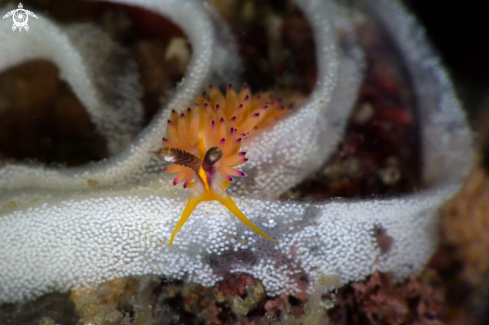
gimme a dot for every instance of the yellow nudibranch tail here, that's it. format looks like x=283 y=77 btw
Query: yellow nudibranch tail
x=203 y=145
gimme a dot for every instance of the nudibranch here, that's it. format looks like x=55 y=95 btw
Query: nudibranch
x=58 y=233
x=204 y=142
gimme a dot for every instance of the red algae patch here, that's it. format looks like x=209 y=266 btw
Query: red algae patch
x=379 y=152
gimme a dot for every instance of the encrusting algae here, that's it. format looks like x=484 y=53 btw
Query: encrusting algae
x=204 y=144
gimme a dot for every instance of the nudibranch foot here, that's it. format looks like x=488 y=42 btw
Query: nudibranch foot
x=225 y=200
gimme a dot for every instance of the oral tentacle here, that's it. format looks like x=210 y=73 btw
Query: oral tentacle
x=192 y=203
x=228 y=202
x=224 y=199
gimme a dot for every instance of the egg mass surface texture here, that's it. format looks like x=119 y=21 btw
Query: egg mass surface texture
x=60 y=234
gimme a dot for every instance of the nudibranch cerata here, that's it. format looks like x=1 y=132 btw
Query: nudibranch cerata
x=204 y=142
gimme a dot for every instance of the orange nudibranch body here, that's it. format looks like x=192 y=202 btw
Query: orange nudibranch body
x=204 y=144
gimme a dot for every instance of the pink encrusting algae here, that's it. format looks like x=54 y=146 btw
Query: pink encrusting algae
x=204 y=142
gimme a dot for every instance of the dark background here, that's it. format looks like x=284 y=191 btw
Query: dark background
x=459 y=30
